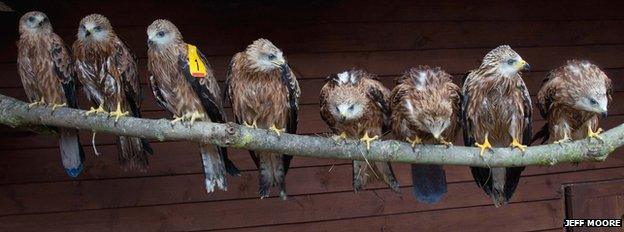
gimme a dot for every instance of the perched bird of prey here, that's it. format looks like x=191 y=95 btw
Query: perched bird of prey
x=571 y=99
x=108 y=72
x=354 y=104
x=264 y=93
x=183 y=83
x=46 y=68
x=496 y=111
x=425 y=109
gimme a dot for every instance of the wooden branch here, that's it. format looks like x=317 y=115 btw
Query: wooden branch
x=16 y=113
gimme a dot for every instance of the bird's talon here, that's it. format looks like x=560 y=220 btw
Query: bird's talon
x=252 y=125
x=343 y=135
x=446 y=143
x=54 y=106
x=414 y=141
x=95 y=111
x=195 y=115
x=36 y=103
x=516 y=144
x=277 y=130
x=368 y=140
x=118 y=113
x=596 y=135
x=486 y=145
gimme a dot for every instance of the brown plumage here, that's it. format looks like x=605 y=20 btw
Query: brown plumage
x=108 y=72
x=496 y=109
x=187 y=97
x=47 y=72
x=355 y=104
x=425 y=109
x=264 y=93
x=571 y=100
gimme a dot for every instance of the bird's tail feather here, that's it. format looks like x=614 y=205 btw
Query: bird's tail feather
x=230 y=168
x=499 y=183
x=132 y=155
x=362 y=171
x=72 y=154
x=387 y=174
x=429 y=182
x=214 y=167
x=360 y=175
x=272 y=173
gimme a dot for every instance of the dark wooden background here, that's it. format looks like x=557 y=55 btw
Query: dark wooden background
x=319 y=38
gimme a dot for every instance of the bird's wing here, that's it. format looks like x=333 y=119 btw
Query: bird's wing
x=545 y=96
x=227 y=90
x=469 y=139
x=25 y=70
x=326 y=115
x=64 y=68
x=380 y=95
x=528 y=113
x=290 y=82
x=206 y=88
x=126 y=65
x=158 y=94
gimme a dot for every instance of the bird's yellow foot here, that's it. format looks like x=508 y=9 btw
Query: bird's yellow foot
x=516 y=144
x=414 y=141
x=99 y=110
x=177 y=119
x=54 y=106
x=368 y=140
x=486 y=145
x=563 y=140
x=277 y=130
x=118 y=113
x=343 y=135
x=596 y=135
x=35 y=103
x=252 y=125
x=444 y=142
x=196 y=115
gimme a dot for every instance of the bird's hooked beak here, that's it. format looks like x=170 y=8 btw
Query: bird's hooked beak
x=343 y=116
x=604 y=114
x=88 y=32
x=523 y=65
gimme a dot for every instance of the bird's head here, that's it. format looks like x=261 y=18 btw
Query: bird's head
x=264 y=56
x=348 y=101
x=589 y=93
x=432 y=114
x=33 y=22
x=162 y=33
x=95 y=28
x=505 y=61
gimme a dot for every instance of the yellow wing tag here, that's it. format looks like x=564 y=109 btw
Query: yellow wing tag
x=196 y=66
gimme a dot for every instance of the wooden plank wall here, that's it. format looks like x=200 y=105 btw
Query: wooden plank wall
x=319 y=38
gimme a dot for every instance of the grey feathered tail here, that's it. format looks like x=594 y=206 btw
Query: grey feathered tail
x=272 y=172
x=429 y=182
x=133 y=153
x=362 y=171
x=499 y=183
x=214 y=167
x=72 y=154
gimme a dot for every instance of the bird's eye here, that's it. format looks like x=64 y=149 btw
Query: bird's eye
x=511 y=61
x=160 y=34
x=271 y=56
x=98 y=28
x=31 y=19
x=593 y=101
x=350 y=107
x=82 y=27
